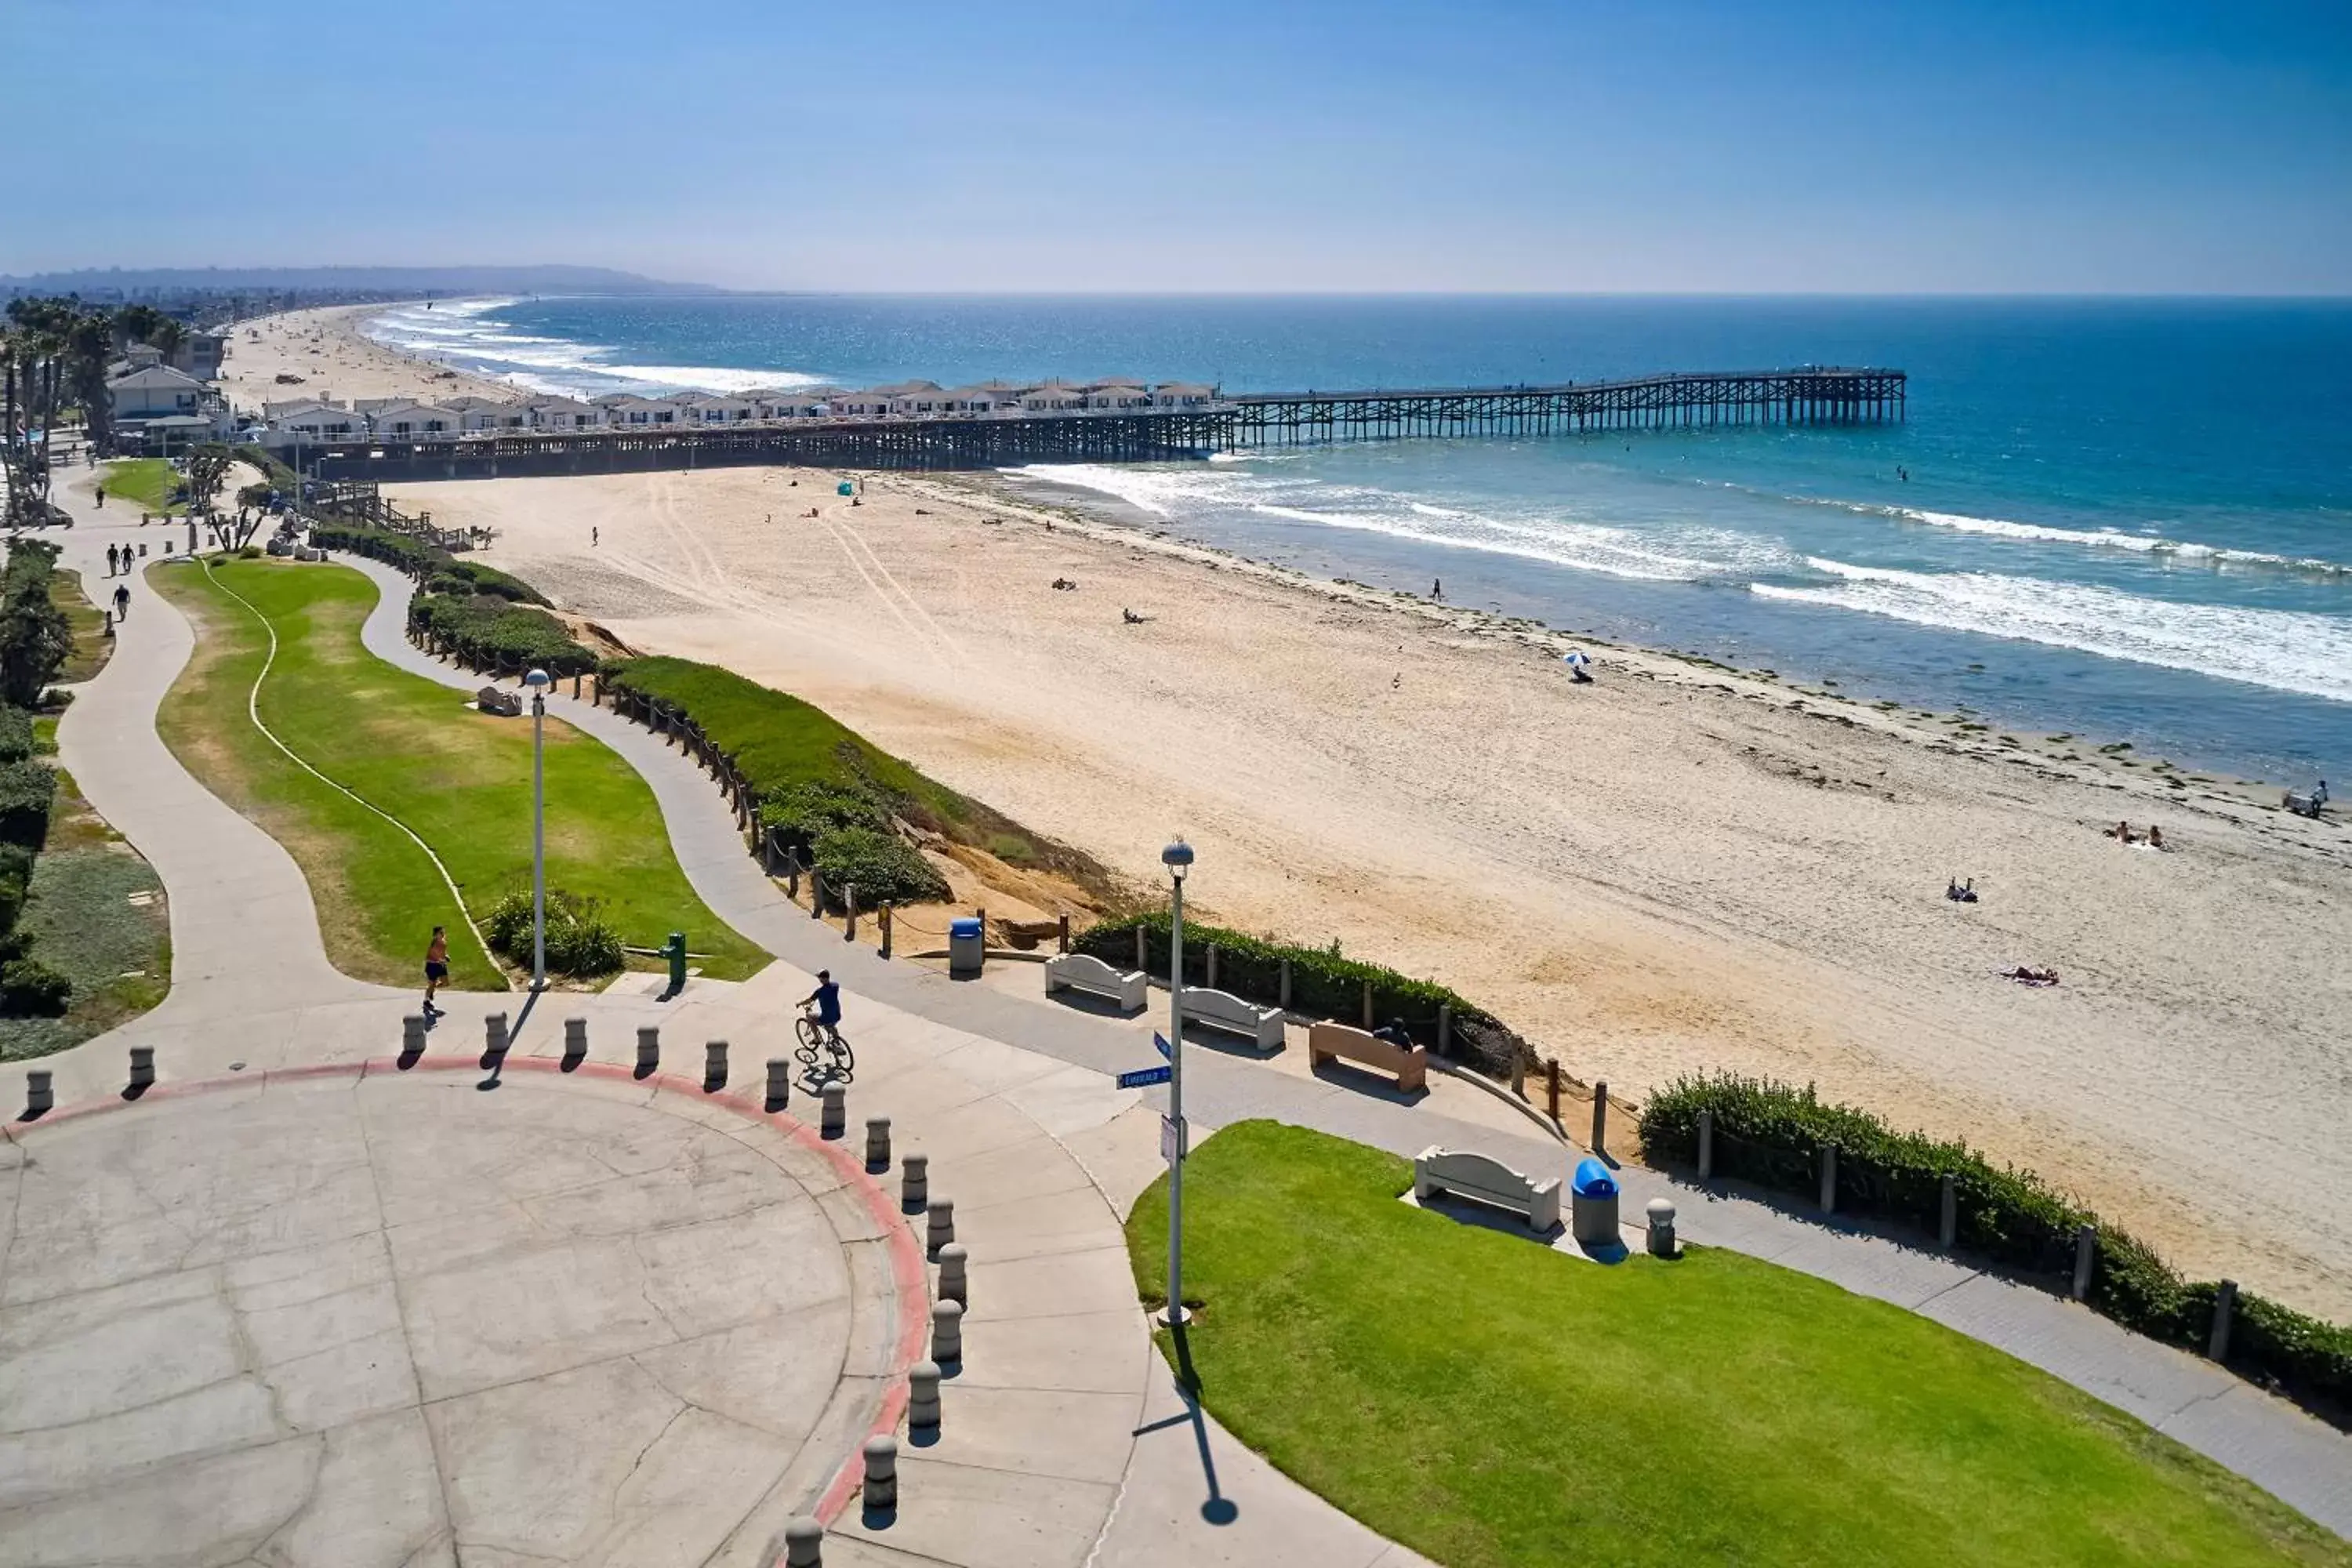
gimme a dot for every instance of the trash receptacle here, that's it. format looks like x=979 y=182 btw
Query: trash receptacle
x=1592 y=1205
x=967 y=948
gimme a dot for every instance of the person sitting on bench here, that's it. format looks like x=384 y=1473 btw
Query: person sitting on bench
x=1393 y=1032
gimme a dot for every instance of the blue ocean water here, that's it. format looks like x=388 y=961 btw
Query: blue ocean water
x=2127 y=520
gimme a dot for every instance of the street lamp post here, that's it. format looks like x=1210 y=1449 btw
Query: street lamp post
x=537 y=682
x=1178 y=859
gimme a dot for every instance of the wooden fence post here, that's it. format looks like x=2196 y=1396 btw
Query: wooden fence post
x=1368 y=1004
x=1600 y=1117
x=1212 y=966
x=1286 y=985
x=1706 y=1145
x=1062 y=935
x=2225 y=1307
x=1551 y=1086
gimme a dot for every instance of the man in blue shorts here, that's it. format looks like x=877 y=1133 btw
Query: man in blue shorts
x=827 y=997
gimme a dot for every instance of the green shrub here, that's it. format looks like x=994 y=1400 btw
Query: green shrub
x=802 y=812
x=1771 y=1134
x=884 y=869
x=31 y=989
x=36 y=637
x=27 y=789
x=487 y=631
x=16 y=733
x=1322 y=984
x=580 y=942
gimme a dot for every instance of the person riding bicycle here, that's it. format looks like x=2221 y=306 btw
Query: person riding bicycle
x=827 y=999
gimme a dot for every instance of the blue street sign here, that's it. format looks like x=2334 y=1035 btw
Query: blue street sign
x=1160 y=1041
x=1143 y=1078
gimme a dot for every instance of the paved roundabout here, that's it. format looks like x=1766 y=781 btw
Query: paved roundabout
x=404 y=1318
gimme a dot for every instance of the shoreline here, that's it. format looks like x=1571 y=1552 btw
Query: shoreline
x=1683 y=867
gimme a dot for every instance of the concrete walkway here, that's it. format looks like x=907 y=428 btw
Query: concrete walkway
x=2300 y=1459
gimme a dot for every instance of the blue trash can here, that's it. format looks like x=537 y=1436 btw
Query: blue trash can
x=967 y=948
x=1592 y=1204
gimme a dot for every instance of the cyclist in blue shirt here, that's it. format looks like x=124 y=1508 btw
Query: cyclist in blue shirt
x=827 y=999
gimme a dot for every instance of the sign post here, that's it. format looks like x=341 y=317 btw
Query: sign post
x=1178 y=859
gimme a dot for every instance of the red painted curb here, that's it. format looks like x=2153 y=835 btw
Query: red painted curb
x=910 y=1279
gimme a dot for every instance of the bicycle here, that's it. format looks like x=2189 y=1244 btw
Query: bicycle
x=823 y=1052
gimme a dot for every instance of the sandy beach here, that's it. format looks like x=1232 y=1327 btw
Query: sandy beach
x=1676 y=868
x=325 y=349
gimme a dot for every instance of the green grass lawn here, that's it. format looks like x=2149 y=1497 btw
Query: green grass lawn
x=1487 y=1401
x=461 y=779
x=91 y=647
x=95 y=913
x=146 y=483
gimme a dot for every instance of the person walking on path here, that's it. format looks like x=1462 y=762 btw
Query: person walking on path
x=436 y=968
x=113 y=559
x=122 y=602
x=101 y=498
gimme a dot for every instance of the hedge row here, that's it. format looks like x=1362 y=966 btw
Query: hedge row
x=1322 y=984
x=435 y=570
x=1773 y=1135
x=491 y=633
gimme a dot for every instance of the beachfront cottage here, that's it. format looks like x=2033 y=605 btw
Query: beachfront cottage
x=1053 y=397
x=317 y=421
x=563 y=413
x=1182 y=395
x=1117 y=394
x=153 y=392
x=411 y=420
x=720 y=408
x=627 y=408
x=488 y=416
x=916 y=398
x=805 y=403
x=872 y=403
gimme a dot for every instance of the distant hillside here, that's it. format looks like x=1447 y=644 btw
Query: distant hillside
x=346 y=281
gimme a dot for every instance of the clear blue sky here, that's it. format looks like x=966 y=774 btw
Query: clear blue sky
x=992 y=144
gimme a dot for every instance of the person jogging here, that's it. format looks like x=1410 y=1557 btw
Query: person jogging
x=436 y=967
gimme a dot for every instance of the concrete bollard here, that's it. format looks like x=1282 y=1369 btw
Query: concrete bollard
x=954 y=1282
x=881 y=1475
x=1445 y=1048
x=923 y=1398
x=941 y=1229
x=714 y=1067
x=39 y=1098
x=1706 y=1145
x=1139 y=953
x=836 y=1120
x=1600 y=1117
x=412 y=1035
x=915 y=1183
x=143 y=1066
x=2086 y=1241
x=1947 y=1222
x=575 y=1042
x=1829 y=1178
x=494 y=1036
x=1212 y=966
x=947 y=1333
x=1662 y=1227
x=849 y=907
x=780 y=1083
x=649 y=1049
x=804 y=1543
x=878 y=1142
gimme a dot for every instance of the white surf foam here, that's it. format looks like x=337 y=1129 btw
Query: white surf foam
x=467 y=334
x=2149 y=544
x=2287 y=650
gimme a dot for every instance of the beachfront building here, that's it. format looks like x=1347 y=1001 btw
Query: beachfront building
x=407 y=420
x=1182 y=395
x=1053 y=397
x=872 y=403
x=152 y=391
x=804 y=402
x=487 y=415
x=563 y=413
x=317 y=421
x=720 y=408
x=1118 y=395
x=628 y=409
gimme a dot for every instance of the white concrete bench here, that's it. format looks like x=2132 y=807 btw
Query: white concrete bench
x=1223 y=1010
x=1079 y=972
x=1329 y=1040
x=1448 y=1172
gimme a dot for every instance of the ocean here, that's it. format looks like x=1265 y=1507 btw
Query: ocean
x=2124 y=520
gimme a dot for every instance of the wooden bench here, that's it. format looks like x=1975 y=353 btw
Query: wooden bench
x=1077 y=971
x=1223 y=1010
x=1328 y=1041
x=1447 y=1173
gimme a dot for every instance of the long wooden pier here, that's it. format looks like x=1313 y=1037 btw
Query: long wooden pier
x=1811 y=396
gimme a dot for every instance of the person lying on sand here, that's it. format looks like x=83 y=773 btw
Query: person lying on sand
x=1130 y=617
x=1960 y=894
x=2026 y=974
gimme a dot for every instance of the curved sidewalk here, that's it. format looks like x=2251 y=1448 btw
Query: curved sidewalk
x=2296 y=1458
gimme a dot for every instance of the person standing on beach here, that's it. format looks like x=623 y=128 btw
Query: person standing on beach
x=436 y=967
x=594 y=535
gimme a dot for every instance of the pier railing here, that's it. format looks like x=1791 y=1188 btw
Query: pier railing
x=1810 y=396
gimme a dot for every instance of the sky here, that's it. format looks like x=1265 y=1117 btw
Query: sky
x=1797 y=146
